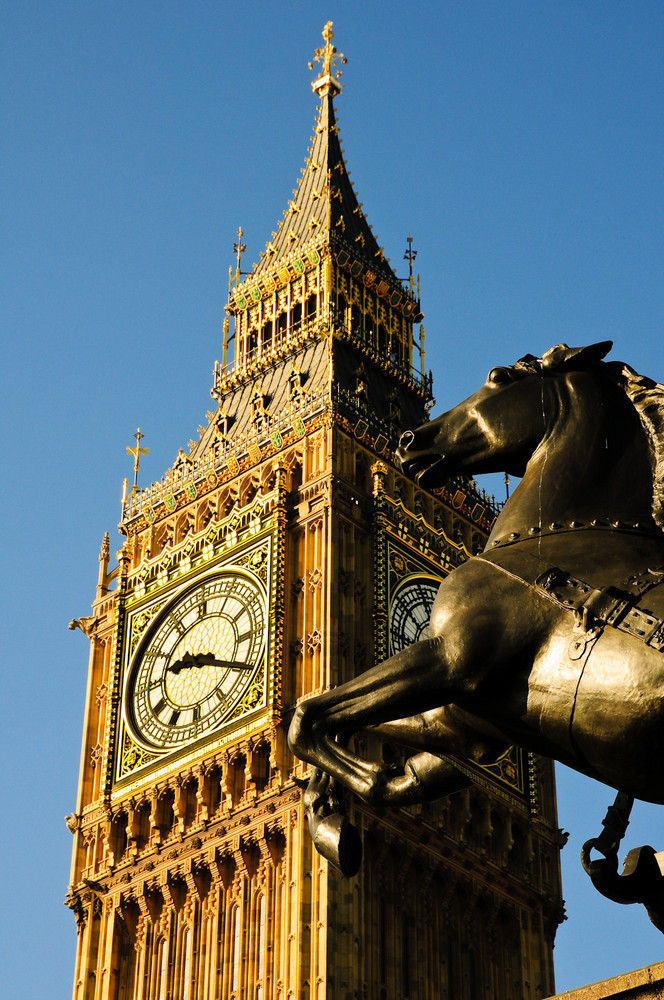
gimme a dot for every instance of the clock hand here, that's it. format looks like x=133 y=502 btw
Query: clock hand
x=205 y=660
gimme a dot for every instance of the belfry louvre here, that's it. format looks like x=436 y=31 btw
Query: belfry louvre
x=282 y=553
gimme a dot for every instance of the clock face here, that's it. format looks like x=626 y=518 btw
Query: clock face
x=203 y=653
x=410 y=612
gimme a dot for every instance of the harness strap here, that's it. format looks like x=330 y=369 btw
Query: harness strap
x=614 y=606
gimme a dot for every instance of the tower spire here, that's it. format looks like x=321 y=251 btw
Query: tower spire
x=324 y=208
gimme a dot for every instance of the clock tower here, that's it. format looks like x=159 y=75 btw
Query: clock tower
x=280 y=555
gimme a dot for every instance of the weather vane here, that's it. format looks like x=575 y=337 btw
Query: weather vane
x=137 y=452
x=328 y=57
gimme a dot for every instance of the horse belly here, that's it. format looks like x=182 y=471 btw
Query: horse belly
x=552 y=689
x=603 y=705
x=617 y=721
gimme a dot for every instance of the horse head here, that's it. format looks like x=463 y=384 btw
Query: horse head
x=501 y=425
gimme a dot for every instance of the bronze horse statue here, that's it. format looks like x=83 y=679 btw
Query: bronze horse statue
x=553 y=637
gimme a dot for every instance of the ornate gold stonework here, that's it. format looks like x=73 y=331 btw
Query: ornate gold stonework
x=193 y=874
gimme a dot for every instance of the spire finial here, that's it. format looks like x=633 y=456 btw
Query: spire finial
x=238 y=249
x=328 y=57
x=137 y=452
x=410 y=256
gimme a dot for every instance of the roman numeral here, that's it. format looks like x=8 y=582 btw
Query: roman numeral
x=176 y=624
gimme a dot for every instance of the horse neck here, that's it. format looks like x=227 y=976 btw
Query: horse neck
x=593 y=462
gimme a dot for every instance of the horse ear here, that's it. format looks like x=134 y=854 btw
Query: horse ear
x=561 y=357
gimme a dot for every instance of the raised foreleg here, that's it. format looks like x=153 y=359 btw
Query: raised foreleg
x=415 y=681
x=426 y=775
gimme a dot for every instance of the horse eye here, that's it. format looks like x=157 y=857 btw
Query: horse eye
x=498 y=376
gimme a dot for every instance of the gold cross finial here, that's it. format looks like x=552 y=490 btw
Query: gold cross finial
x=137 y=452
x=238 y=250
x=328 y=57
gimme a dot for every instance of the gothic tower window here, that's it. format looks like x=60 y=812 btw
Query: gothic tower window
x=311 y=306
x=267 y=333
x=252 y=337
x=260 y=946
x=118 y=837
x=162 y=973
x=186 y=964
x=215 y=795
x=237 y=778
x=235 y=949
x=260 y=767
x=405 y=955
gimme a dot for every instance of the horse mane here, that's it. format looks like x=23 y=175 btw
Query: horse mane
x=647 y=398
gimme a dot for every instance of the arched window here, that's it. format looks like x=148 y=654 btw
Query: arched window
x=267 y=334
x=260 y=767
x=235 y=952
x=236 y=780
x=162 y=974
x=260 y=947
x=186 y=964
x=310 y=306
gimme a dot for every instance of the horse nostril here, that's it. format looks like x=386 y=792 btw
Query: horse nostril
x=406 y=439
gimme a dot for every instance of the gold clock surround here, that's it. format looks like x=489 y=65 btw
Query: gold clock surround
x=198 y=704
x=199 y=658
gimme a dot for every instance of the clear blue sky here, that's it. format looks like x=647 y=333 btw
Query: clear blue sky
x=519 y=142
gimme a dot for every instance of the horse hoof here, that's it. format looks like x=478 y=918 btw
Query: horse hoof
x=338 y=842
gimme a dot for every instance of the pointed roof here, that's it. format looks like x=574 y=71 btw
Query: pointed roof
x=324 y=207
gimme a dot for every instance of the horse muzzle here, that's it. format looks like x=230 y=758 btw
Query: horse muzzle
x=427 y=467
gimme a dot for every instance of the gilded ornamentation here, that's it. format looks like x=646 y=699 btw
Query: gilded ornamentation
x=141 y=621
x=328 y=57
x=133 y=756
x=252 y=698
x=257 y=561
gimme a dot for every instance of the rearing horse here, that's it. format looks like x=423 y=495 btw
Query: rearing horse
x=553 y=637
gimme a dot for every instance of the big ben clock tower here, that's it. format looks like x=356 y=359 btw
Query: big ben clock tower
x=280 y=555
